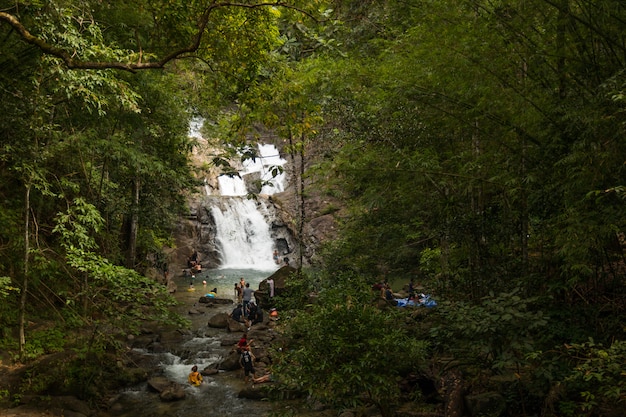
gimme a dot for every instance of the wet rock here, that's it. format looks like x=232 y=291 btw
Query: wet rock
x=174 y=392
x=158 y=383
x=168 y=390
x=230 y=363
x=235 y=326
x=219 y=321
x=212 y=370
x=173 y=337
x=255 y=392
x=230 y=341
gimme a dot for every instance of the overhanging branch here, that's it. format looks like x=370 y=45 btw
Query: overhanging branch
x=73 y=63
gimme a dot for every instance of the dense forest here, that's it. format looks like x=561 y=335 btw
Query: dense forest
x=475 y=146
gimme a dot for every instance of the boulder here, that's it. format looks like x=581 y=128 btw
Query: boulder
x=158 y=383
x=174 y=392
x=219 y=321
x=255 y=392
x=168 y=390
x=235 y=326
x=73 y=404
x=230 y=363
x=212 y=370
x=280 y=278
x=213 y=300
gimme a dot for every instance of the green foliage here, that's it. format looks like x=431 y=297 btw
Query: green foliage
x=344 y=350
x=45 y=341
x=597 y=381
x=298 y=287
x=583 y=379
x=475 y=143
x=6 y=287
x=77 y=225
x=495 y=333
x=121 y=296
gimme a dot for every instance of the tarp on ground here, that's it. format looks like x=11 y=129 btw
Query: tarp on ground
x=423 y=300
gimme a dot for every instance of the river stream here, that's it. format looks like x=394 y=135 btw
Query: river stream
x=217 y=396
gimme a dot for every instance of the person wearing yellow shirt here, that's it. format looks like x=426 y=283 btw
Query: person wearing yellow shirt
x=195 y=378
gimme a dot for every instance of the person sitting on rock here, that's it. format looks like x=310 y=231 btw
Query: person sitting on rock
x=237 y=313
x=195 y=378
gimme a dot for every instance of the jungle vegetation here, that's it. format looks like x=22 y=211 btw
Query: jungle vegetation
x=475 y=146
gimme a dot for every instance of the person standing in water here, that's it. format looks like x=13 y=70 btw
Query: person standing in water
x=195 y=378
x=247 y=298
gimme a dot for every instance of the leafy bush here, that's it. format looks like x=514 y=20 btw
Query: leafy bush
x=496 y=333
x=597 y=381
x=346 y=351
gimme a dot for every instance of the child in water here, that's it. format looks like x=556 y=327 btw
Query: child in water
x=195 y=378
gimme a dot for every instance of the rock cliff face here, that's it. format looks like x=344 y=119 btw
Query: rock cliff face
x=319 y=226
x=197 y=231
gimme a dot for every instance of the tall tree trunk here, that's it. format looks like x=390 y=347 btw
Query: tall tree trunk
x=478 y=210
x=22 y=313
x=302 y=216
x=133 y=226
x=524 y=214
x=561 y=30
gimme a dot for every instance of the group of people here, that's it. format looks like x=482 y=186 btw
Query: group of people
x=243 y=292
x=247 y=314
x=386 y=293
x=413 y=299
x=246 y=360
x=193 y=264
x=277 y=260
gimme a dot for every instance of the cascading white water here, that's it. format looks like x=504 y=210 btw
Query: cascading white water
x=243 y=233
x=243 y=236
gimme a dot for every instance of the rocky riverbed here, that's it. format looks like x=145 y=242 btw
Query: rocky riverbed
x=161 y=359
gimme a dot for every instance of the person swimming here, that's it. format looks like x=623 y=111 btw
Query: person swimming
x=195 y=377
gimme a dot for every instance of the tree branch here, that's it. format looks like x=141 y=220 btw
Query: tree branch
x=71 y=63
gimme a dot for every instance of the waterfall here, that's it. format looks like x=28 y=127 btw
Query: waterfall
x=243 y=235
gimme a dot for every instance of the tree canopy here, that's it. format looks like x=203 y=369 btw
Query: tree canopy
x=473 y=146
